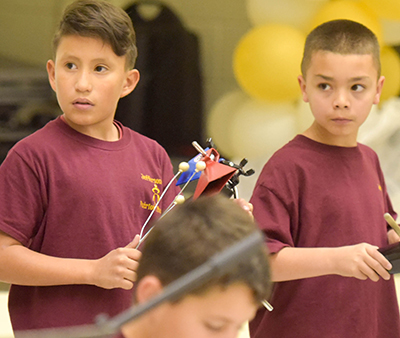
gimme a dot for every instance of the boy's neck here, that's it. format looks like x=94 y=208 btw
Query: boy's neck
x=111 y=134
x=320 y=136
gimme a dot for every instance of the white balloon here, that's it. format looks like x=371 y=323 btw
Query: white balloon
x=395 y=199
x=304 y=116
x=297 y=13
x=258 y=129
x=382 y=133
x=220 y=118
x=381 y=124
x=246 y=186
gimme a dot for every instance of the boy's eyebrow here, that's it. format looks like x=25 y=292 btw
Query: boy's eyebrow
x=353 y=79
x=359 y=78
x=324 y=77
x=68 y=56
x=73 y=57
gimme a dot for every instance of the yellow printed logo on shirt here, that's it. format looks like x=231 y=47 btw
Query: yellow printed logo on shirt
x=155 y=192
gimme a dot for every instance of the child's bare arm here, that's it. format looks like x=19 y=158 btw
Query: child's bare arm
x=20 y=265
x=361 y=261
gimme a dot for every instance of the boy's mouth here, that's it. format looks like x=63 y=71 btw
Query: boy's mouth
x=341 y=120
x=83 y=103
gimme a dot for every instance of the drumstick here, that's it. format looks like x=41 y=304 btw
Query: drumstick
x=392 y=223
x=267 y=305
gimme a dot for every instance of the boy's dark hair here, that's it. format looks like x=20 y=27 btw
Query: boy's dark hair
x=195 y=231
x=100 y=19
x=341 y=37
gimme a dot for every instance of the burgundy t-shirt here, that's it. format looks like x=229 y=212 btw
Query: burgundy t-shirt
x=66 y=194
x=315 y=195
x=119 y=335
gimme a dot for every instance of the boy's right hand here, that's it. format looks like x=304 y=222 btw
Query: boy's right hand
x=362 y=261
x=118 y=268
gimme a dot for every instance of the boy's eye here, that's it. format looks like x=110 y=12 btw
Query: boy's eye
x=70 y=65
x=324 y=86
x=357 y=88
x=100 y=69
x=215 y=327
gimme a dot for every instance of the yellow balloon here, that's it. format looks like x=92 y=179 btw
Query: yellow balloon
x=390 y=62
x=350 y=10
x=266 y=62
x=388 y=9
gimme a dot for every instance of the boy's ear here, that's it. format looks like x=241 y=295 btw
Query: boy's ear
x=303 y=87
x=148 y=288
x=51 y=72
x=131 y=81
x=379 y=87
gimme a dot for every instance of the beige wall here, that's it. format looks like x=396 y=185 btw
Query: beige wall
x=27 y=27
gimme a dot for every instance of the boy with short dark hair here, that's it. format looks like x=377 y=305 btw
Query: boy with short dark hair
x=321 y=198
x=74 y=194
x=183 y=240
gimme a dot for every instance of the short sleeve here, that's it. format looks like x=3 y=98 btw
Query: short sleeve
x=21 y=208
x=272 y=217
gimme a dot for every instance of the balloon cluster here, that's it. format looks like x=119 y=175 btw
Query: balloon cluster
x=267 y=111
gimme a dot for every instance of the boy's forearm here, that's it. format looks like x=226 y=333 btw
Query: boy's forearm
x=297 y=263
x=22 y=266
x=361 y=261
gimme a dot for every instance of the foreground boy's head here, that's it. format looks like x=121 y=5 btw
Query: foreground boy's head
x=92 y=67
x=344 y=37
x=100 y=20
x=340 y=80
x=182 y=241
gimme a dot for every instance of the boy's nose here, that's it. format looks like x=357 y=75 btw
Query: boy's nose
x=341 y=101
x=83 y=83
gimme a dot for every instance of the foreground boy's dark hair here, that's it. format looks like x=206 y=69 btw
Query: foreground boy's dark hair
x=342 y=37
x=100 y=19
x=195 y=231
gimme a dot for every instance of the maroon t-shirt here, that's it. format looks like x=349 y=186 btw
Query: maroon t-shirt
x=119 y=335
x=315 y=195
x=66 y=194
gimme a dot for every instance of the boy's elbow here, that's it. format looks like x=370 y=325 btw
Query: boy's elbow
x=281 y=265
x=276 y=275
x=7 y=241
